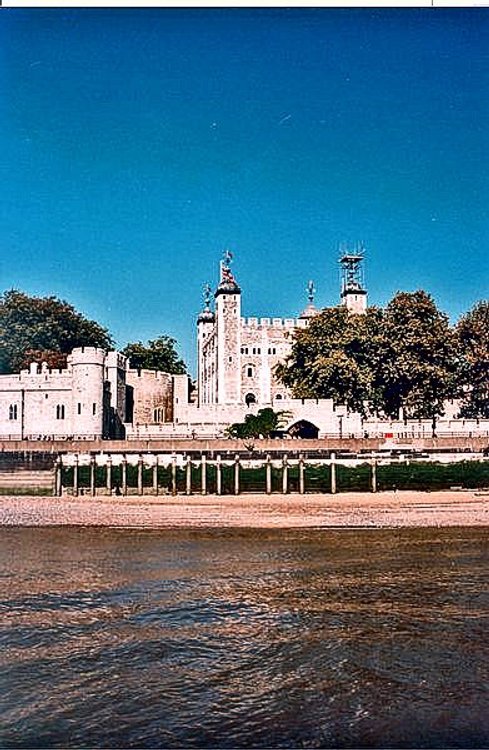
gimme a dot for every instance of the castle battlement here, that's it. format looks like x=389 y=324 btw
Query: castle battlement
x=278 y=323
x=87 y=355
x=149 y=375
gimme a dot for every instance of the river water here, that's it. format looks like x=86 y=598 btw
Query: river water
x=327 y=638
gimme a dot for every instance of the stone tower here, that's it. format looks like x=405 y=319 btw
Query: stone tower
x=228 y=335
x=353 y=294
x=206 y=359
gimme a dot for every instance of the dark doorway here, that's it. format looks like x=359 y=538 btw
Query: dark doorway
x=304 y=429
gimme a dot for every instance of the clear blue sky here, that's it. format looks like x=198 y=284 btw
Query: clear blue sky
x=138 y=144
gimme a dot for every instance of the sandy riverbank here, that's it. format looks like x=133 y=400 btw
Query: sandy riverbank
x=384 y=509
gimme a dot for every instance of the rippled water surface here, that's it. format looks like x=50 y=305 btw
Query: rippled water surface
x=348 y=638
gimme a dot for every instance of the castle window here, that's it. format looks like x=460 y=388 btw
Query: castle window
x=249 y=371
x=12 y=411
x=79 y=408
x=60 y=411
x=250 y=398
x=279 y=397
x=94 y=408
x=230 y=359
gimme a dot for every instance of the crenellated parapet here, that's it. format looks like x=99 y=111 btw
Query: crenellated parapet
x=87 y=355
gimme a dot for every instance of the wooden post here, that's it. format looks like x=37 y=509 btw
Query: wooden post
x=58 y=477
x=218 y=475
x=203 y=466
x=140 y=476
x=173 y=475
x=268 y=475
x=75 y=476
x=236 y=475
x=109 y=474
x=302 y=485
x=92 y=475
x=124 y=474
x=333 y=473
x=285 y=475
x=188 y=488
x=374 y=475
x=155 y=475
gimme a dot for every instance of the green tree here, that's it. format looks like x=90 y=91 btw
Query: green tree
x=43 y=328
x=159 y=354
x=335 y=357
x=402 y=357
x=419 y=366
x=261 y=424
x=472 y=335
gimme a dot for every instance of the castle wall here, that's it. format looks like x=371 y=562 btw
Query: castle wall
x=42 y=402
x=153 y=396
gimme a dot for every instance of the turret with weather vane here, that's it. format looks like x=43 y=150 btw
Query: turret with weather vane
x=310 y=311
x=353 y=293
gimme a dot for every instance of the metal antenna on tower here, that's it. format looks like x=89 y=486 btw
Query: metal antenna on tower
x=352 y=270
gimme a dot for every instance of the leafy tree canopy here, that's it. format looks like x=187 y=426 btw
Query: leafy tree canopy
x=159 y=354
x=403 y=356
x=43 y=328
x=472 y=334
x=419 y=366
x=334 y=357
x=261 y=424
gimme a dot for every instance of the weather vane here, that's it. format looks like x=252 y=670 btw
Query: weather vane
x=207 y=296
x=227 y=258
x=311 y=291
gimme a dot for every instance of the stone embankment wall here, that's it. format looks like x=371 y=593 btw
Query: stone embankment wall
x=265 y=446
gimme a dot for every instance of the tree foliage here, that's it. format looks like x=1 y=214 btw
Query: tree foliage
x=402 y=357
x=257 y=425
x=472 y=334
x=43 y=328
x=335 y=357
x=159 y=354
x=418 y=368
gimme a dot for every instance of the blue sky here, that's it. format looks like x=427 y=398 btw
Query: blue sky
x=138 y=144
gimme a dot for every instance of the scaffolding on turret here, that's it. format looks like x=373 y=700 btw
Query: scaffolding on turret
x=353 y=292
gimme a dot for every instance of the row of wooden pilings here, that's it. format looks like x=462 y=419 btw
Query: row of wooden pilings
x=154 y=489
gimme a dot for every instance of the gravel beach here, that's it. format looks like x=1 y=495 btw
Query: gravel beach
x=380 y=510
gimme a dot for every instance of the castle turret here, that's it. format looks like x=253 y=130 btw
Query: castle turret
x=205 y=350
x=353 y=294
x=310 y=311
x=88 y=395
x=228 y=328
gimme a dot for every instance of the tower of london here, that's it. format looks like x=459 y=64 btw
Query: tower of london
x=237 y=355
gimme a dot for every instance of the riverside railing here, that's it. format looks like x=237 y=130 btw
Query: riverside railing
x=177 y=474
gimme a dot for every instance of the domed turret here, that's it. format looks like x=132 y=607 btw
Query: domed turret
x=206 y=315
x=310 y=311
x=227 y=282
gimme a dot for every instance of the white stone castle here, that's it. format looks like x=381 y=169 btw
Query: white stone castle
x=99 y=396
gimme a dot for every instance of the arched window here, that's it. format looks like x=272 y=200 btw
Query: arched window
x=12 y=411
x=279 y=397
x=250 y=398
